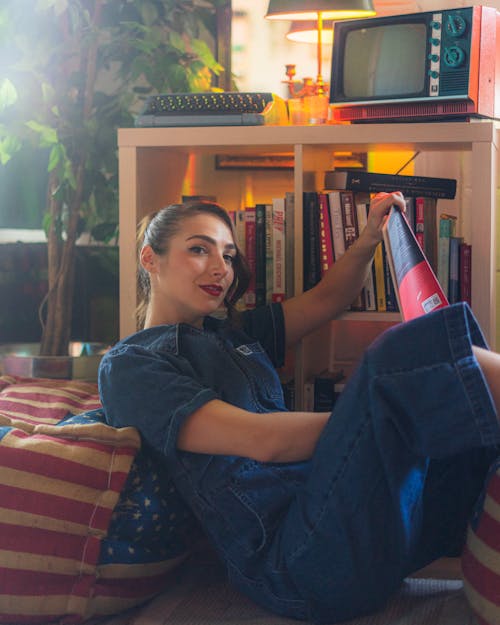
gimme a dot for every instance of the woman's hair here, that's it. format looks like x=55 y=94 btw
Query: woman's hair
x=158 y=228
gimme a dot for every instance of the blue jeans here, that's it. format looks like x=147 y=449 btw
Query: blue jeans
x=390 y=487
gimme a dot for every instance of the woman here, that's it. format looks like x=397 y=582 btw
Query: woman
x=316 y=516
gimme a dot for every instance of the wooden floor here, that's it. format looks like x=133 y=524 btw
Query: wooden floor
x=200 y=595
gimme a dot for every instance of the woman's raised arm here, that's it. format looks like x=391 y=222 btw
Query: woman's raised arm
x=343 y=281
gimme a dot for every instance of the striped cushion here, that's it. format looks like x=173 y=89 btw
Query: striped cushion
x=62 y=479
x=481 y=556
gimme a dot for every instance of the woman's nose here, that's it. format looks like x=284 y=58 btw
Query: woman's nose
x=219 y=266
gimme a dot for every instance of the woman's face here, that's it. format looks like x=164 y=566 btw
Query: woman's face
x=192 y=279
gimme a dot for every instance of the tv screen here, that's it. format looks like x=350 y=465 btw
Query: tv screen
x=386 y=60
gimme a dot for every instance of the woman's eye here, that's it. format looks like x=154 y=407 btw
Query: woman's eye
x=198 y=249
x=229 y=259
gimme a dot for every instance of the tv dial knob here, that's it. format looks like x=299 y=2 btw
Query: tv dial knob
x=435 y=41
x=433 y=57
x=455 y=25
x=453 y=56
x=436 y=25
x=433 y=73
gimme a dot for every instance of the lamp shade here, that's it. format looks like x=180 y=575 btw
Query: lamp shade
x=309 y=9
x=307 y=32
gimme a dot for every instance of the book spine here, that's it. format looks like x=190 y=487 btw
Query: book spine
x=348 y=218
x=324 y=392
x=410 y=211
x=289 y=244
x=454 y=279
x=419 y=221
x=378 y=264
x=337 y=225
x=466 y=273
x=260 y=254
x=370 y=302
x=350 y=222
x=391 y=303
x=311 y=240
x=372 y=182
x=250 y=251
x=278 y=251
x=269 y=252
x=446 y=230
x=325 y=234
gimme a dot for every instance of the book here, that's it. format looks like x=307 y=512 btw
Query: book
x=250 y=250
x=320 y=390
x=311 y=259
x=454 y=273
x=465 y=254
x=349 y=219
x=268 y=230
x=370 y=302
x=446 y=231
x=289 y=244
x=325 y=234
x=417 y=288
x=336 y=224
x=278 y=250
x=260 y=254
x=426 y=228
x=373 y=182
x=378 y=267
x=351 y=233
x=410 y=211
x=391 y=300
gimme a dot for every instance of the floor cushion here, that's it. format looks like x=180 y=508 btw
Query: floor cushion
x=67 y=479
x=481 y=556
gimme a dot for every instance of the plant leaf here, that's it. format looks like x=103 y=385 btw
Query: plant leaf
x=8 y=94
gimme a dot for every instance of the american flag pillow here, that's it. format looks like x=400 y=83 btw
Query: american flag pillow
x=61 y=479
x=481 y=556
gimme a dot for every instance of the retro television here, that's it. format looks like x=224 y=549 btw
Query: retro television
x=420 y=66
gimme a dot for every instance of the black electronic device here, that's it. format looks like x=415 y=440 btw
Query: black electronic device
x=222 y=108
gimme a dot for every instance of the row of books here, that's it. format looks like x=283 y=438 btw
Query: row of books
x=265 y=233
x=332 y=221
x=454 y=261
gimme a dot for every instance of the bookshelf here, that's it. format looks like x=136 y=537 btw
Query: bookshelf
x=157 y=165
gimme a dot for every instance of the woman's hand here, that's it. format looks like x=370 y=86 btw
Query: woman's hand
x=379 y=209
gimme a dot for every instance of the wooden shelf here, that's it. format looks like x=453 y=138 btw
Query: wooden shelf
x=156 y=165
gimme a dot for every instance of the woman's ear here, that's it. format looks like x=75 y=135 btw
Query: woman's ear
x=148 y=259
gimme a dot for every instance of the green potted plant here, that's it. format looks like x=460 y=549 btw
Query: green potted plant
x=71 y=73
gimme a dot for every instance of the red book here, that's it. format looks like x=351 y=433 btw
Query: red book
x=250 y=252
x=325 y=234
x=417 y=288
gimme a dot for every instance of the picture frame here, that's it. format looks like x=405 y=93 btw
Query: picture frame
x=285 y=161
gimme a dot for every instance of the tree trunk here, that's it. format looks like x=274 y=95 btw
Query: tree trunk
x=58 y=305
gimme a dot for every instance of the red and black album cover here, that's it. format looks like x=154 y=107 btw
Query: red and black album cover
x=417 y=287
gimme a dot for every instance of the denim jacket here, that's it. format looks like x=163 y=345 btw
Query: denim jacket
x=156 y=378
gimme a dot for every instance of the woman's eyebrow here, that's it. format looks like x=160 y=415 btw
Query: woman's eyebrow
x=204 y=237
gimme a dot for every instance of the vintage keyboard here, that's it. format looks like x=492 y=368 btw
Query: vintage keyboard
x=225 y=108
